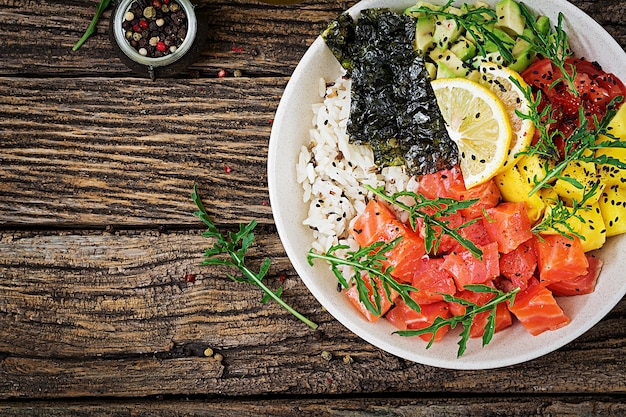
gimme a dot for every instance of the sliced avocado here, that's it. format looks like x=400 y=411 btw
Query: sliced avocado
x=521 y=43
x=474 y=75
x=543 y=25
x=443 y=71
x=446 y=32
x=494 y=57
x=454 y=10
x=474 y=31
x=523 y=59
x=424 y=29
x=510 y=17
x=504 y=38
x=450 y=60
x=411 y=11
x=463 y=48
x=431 y=69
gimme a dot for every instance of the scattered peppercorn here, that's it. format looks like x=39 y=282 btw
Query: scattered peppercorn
x=208 y=352
x=326 y=355
x=157 y=29
x=348 y=359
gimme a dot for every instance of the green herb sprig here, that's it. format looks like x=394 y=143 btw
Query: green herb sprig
x=559 y=215
x=433 y=213
x=235 y=246
x=465 y=320
x=473 y=21
x=91 y=29
x=551 y=45
x=580 y=145
x=368 y=261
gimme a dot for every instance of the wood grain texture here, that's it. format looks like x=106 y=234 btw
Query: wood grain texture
x=73 y=304
x=424 y=406
x=97 y=237
x=91 y=151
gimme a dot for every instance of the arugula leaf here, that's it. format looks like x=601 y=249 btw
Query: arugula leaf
x=368 y=261
x=236 y=245
x=435 y=225
x=465 y=320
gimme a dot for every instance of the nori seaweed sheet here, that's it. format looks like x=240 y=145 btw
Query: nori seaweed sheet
x=393 y=107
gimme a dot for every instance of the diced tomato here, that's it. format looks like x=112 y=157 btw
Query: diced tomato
x=582 y=284
x=467 y=269
x=537 y=310
x=379 y=224
x=508 y=225
x=520 y=264
x=594 y=90
x=403 y=317
x=560 y=258
x=353 y=296
x=432 y=280
x=503 y=317
x=539 y=74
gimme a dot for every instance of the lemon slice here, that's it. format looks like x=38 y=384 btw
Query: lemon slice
x=477 y=122
x=498 y=79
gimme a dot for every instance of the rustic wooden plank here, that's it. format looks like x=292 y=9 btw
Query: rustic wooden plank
x=72 y=303
x=70 y=155
x=361 y=407
x=237 y=38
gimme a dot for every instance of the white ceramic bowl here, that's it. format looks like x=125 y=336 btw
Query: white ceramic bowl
x=511 y=346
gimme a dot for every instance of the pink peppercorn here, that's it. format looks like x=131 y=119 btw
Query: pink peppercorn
x=143 y=24
x=160 y=46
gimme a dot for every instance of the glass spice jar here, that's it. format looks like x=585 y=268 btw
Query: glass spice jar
x=157 y=38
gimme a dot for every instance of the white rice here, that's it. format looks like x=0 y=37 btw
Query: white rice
x=332 y=171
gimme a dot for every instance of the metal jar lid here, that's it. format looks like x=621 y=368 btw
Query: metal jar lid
x=161 y=66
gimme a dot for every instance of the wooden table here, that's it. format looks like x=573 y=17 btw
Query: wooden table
x=104 y=309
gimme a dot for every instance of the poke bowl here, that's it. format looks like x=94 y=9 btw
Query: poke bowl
x=291 y=133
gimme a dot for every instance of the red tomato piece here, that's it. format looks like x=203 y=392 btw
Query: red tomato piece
x=594 y=90
x=520 y=264
x=560 y=258
x=537 y=310
x=353 y=296
x=403 y=317
x=508 y=225
x=467 y=269
x=582 y=284
x=432 y=280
